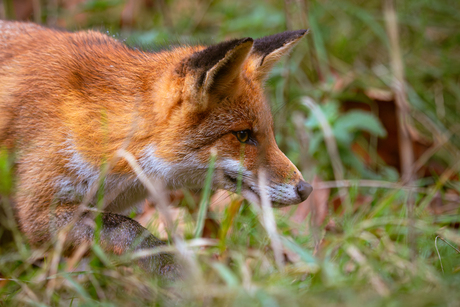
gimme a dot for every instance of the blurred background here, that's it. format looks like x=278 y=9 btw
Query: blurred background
x=367 y=106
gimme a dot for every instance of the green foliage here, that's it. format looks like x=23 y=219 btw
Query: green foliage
x=367 y=259
x=346 y=127
x=353 y=121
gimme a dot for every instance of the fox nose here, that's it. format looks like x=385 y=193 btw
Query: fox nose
x=304 y=189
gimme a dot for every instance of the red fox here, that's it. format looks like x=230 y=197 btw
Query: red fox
x=69 y=101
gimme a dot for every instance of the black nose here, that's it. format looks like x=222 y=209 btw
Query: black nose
x=304 y=189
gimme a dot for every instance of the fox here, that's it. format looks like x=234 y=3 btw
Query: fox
x=69 y=101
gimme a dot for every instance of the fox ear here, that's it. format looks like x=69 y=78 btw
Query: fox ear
x=216 y=69
x=269 y=49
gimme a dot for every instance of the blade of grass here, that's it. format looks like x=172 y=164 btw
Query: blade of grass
x=318 y=42
x=406 y=151
x=375 y=280
x=331 y=146
x=204 y=203
x=229 y=216
x=268 y=220
x=226 y=274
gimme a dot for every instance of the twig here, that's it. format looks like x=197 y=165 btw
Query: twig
x=366 y=183
x=439 y=255
x=458 y=251
x=406 y=151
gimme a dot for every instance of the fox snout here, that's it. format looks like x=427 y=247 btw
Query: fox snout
x=304 y=189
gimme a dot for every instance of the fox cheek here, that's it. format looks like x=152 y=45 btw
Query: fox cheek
x=250 y=154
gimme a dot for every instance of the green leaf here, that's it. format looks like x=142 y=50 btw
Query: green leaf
x=315 y=143
x=358 y=120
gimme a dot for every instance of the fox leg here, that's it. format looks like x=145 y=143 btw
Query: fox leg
x=118 y=234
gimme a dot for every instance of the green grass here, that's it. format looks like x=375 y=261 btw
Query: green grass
x=379 y=249
x=367 y=258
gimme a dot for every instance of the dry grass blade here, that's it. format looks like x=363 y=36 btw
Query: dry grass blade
x=57 y=254
x=331 y=143
x=157 y=192
x=269 y=221
x=406 y=151
x=439 y=255
x=447 y=234
x=367 y=184
x=200 y=242
x=77 y=256
x=156 y=189
x=376 y=281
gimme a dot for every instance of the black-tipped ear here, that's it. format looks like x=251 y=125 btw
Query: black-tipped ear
x=268 y=50
x=217 y=67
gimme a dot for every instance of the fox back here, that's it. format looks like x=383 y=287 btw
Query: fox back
x=70 y=101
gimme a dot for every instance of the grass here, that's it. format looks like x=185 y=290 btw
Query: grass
x=366 y=237
x=364 y=258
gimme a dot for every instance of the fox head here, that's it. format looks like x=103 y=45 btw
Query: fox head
x=214 y=102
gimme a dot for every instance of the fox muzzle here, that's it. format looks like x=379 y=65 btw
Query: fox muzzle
x=304 y=189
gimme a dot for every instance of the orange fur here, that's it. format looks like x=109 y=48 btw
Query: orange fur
x=69 y=101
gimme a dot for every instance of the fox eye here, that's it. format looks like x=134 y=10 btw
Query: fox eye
x=242 y=136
